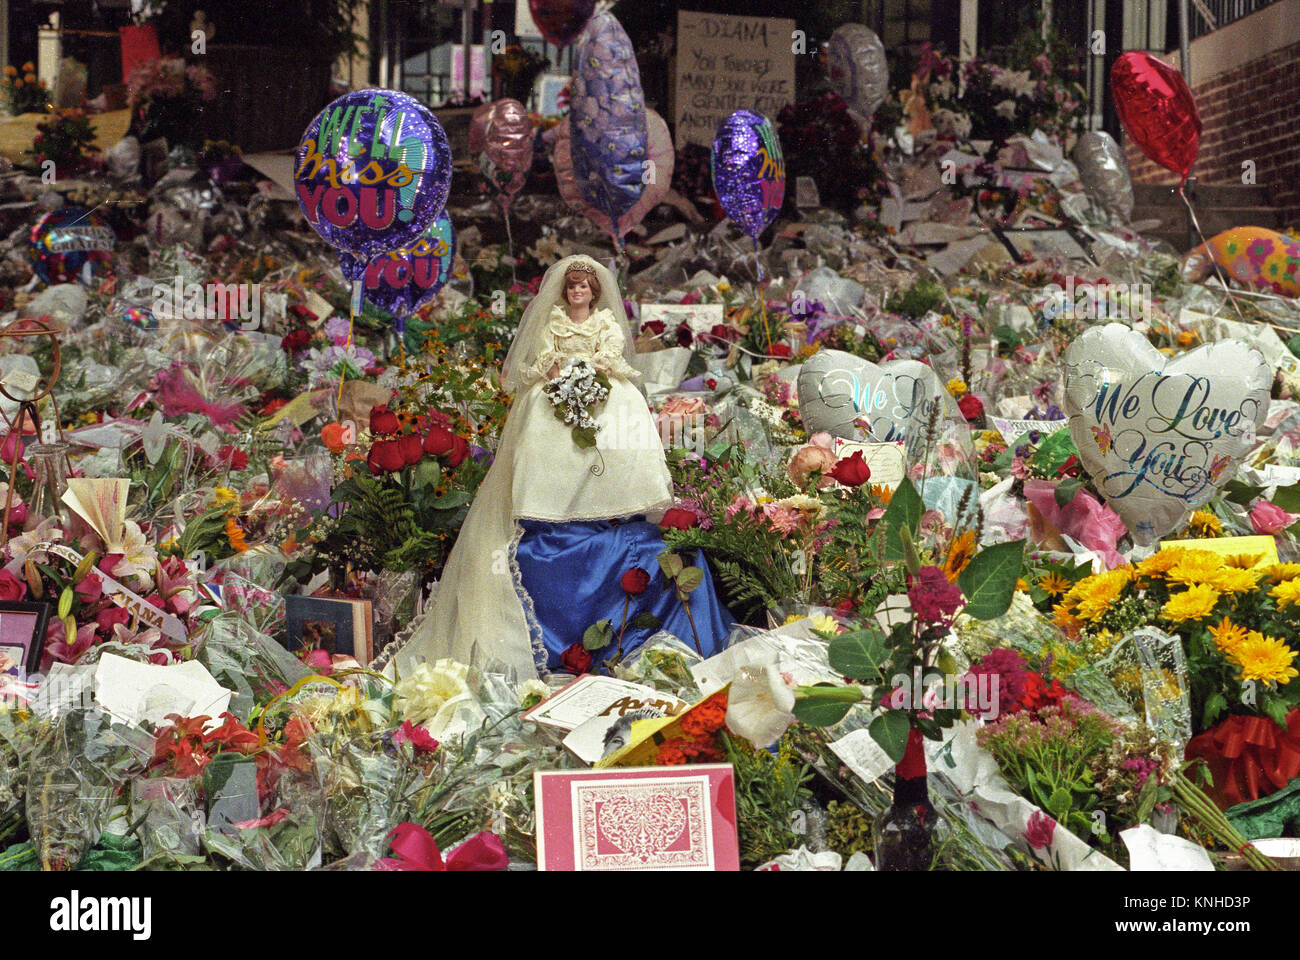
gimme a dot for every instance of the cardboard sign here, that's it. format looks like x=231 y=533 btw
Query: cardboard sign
x=726 y=64
x=1231 y=546
x=657 y=818
x=1012 y=430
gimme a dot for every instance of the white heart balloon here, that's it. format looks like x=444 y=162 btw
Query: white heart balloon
x=853 y=398
x=1158 y=435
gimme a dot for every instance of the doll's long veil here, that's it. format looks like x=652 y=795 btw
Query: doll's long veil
x=532 y=325
x=478 y=615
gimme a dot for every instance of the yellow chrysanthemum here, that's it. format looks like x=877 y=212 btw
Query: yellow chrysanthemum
x=1286 y=593
x=1204 y=524
x=1282 y=571
x=1196 y=567
x=1054 y=584
x=1264 y=658
x=1244 y=561
x=1093 y=595
x=957 y=386
x=1234 y=580
x=1161 y=562
x=1063 y=618
x=1194 y=603
x=1227 y=634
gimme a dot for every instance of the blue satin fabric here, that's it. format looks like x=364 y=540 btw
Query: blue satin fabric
x=573 y=572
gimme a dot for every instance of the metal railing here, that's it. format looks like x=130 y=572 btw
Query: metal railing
x=1221 y=13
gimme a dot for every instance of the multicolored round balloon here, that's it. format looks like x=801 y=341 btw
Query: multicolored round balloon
x=561 y=20
x=68 y=244
x=401 y=281
x=607 y=119
x=1156 y=107
x=373 y=172
x=748 y=171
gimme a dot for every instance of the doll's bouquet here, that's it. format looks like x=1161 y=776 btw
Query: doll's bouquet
x=575 y=393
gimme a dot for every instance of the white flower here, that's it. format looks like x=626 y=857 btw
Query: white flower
x=48 y=531
x=1016 y=81
x=429 y=690
x=533 y=688
x=138 y=557
x=760 y=706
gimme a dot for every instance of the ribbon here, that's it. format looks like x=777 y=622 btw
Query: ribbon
x=1249 y=757
x=417 y=850
x=168 y=624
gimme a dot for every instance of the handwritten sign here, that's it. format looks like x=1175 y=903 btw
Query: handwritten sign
x=729 y=63
x=1013 y=429
x=885 y=460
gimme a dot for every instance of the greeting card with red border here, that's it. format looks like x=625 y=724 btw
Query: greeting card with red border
x=644 y=818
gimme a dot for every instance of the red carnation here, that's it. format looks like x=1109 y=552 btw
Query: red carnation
x=439 y=442
x=295 y=340
x=678 y=519
x=386 y=456
x=412 y=451
x=971 y=407
x=851 y=471
x=779 y=350
x=576 y=659
x=237 y=459
x=383 y=421
x=635 y=581
x=655 y=327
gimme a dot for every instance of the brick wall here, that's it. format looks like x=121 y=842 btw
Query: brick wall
x=1247 y=113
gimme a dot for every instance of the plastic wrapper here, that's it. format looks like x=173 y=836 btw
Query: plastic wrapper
x=76 y=767
x=663 y=662
x=173 y=819
x=366 y=793
x=288 y=834
x=1148 y=669
x=244 y=659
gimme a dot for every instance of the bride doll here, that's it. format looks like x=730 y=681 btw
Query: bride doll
x=555 y=525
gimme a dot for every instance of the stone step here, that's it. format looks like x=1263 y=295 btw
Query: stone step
x=1206 y=194
x=1213 y=220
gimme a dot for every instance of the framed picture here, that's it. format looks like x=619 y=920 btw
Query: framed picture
x=22 y=637
x=1044 y=242
x=333 y=624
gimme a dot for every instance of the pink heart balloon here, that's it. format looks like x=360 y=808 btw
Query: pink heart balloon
x=661 y=155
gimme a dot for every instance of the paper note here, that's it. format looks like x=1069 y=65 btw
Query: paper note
x=1011 y=430
x=1231 y=546
x=138 y=692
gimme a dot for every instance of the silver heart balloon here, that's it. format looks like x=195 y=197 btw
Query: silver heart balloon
x=853 y=398
x=1158 y=435
x=858 y=71
x=1104 y=172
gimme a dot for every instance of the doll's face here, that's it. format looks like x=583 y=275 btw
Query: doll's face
x=578 y=292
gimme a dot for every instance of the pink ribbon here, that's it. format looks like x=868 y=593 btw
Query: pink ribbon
x=417 y=850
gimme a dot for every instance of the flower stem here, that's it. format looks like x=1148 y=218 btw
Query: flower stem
x=619 y=652
x=694 y=633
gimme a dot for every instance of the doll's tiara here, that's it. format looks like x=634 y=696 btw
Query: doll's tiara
x=580 y=267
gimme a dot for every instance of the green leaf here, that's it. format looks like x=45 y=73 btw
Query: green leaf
x=584 y=437
x=646 y=621
x=1007 y=336
x=426 y=472
x=1241 y=493
x=690 y=578
x=598 y=635
x=890 y=730
x=1276 y=709
x=1288 y=498
x=824 y=706
x=904 y=510
x=1147 y=799
x=989 y=582
x=911 y=559
x=1294 y=345
x=1066 y=491
x=1058 y=804
x=860 y=654
x=671 y=564
x=1215 y=704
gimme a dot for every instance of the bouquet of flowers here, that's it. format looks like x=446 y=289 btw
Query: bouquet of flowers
x=575 y=394
x=66 y=139
x=166 y=96
x=22 y=92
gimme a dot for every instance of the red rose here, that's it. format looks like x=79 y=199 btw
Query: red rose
x=684 y=335
x=635 y=581
x=678 y=519
x=11 y=588
x=971 y=407
x=237 y=459
x=107 y=618
x=779 y=350
x=386 y=456
x=383 y=421
x=721 y=331
x=295 y=340
x=851 y=471
x=576 y=659
x=439 y=442
x=1071 y=468
x=459 y=451
x=298 y=310
x=655 y=327
x=412 y=451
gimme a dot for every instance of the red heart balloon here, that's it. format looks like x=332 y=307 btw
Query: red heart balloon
x=1156 y=107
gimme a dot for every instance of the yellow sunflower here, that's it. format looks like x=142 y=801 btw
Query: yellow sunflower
x=1286 y=593
x=1093 y=595
x=1204 y=524
x=1054 y=584
x=1158 y=564
x=1264 y=658
x=1235 y=580
x=1196 y=566
x=1227 y=634
x=959 y=555
x=1194 y=603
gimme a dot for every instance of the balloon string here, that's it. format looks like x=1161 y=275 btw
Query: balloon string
x=1218 y=270
x=352 y=316
x=762 y=297
x=510 y=242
